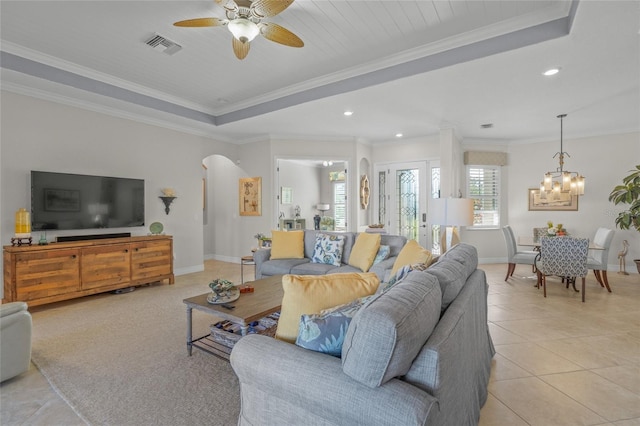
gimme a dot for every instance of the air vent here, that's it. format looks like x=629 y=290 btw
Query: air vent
x=163 y=44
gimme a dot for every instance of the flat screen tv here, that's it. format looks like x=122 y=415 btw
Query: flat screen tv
x=71 y=201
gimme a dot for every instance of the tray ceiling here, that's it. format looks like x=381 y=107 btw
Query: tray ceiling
x=402 y=66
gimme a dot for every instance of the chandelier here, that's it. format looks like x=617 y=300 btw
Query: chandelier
x=561 y=180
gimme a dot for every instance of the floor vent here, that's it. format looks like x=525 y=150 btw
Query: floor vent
x=162 y=44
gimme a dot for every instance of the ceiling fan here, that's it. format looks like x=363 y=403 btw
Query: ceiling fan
x=244 y=20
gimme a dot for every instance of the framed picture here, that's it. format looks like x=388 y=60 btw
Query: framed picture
x=250 y=196
x=62 y=200
x=561 y=201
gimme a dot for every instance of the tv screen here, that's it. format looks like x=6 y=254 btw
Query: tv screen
x=71 y=201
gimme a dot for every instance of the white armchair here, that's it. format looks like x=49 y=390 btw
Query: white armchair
x=15 y=339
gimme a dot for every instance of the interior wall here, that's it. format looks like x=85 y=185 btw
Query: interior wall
x=335 y=150
x=410 y=149
x=364 y=213
x=603 y=160
x=222 y=209
x=304 y=181
x=42 y=135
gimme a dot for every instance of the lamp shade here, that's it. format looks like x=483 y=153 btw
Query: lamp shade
x=322 y=207
x=243 y=29
x=451 y=211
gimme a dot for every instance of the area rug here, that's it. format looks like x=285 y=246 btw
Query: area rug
x=122 y=359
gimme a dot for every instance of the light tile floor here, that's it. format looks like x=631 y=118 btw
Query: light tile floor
x=559 y=361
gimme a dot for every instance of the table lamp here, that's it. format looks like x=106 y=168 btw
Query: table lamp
x=450 y=212
x=322 y=207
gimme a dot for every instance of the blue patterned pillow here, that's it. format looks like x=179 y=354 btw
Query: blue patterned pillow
x=383 y=253
x=324 y=332
x=328 y=249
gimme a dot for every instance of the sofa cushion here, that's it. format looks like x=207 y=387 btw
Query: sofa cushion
x=465 y=254
x=364 y=251
x=309 y=294
x=281 y=266
x=411 y=253
x=390 y=329
x=383 y=253
x=311 y=268
x=324 y=332
x=451 y=275
x=328 y=249
x=287 y=244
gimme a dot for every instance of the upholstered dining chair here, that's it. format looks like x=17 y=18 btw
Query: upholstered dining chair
x=514 y=256
x=597 y=260
x=539 y=233
x=565 y=257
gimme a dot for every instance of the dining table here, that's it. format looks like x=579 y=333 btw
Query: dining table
x=529 y=242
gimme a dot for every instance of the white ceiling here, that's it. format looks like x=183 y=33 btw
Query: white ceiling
x=401 y=66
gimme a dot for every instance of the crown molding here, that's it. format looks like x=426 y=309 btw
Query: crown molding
x=111 y=111
x=92 y=74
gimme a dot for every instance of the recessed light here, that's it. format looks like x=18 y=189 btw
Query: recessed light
x=348 y=113
x=551 y=71
x=399 y=135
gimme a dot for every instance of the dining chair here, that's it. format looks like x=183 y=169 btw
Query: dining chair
x=539 y=233
x=526 y=257
x=565 y=257
x=597 y=260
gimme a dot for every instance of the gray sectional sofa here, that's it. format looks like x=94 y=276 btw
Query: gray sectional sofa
x=265 y=266
x=418 y=353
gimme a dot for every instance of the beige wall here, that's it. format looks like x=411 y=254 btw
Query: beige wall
x=38 y=134
x=42 y=135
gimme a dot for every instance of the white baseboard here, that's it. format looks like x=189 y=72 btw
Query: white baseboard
x=229 y=259
x=189 y=269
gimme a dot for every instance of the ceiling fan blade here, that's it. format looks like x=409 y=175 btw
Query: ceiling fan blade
x=240 y=49
x=267 y=8
x=275 y=32
x=201 y=22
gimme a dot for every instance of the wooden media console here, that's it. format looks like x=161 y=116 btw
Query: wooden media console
x=60 y=271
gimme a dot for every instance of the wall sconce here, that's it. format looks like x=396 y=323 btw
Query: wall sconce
x=167 y=202
x=168 y=195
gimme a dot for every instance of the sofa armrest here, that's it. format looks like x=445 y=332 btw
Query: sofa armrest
x=259 y=257
x=275 y=374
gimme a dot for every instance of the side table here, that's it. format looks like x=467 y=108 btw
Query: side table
x=245 y=260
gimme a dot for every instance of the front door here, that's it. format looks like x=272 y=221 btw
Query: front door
x=401 y=203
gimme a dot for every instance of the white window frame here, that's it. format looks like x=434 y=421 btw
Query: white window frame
x=343 y=203
x=483 y=199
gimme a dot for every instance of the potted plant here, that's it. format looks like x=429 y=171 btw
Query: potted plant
x=628 y=193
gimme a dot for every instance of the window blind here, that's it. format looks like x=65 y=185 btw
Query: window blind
x=483 y=186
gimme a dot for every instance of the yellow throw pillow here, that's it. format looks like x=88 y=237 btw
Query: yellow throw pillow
x=364 y=251
x=411 y=253
x=309 y=294
x=287 y=244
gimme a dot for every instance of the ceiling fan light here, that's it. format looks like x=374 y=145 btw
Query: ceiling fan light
x=243 y=29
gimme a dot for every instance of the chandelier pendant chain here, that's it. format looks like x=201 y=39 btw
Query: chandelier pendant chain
x=562 y=153
x=569 y=182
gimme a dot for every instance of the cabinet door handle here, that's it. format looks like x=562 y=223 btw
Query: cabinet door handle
x=73 y=256
x=126 y=250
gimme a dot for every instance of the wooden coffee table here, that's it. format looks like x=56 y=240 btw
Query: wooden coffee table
x=265 y=299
